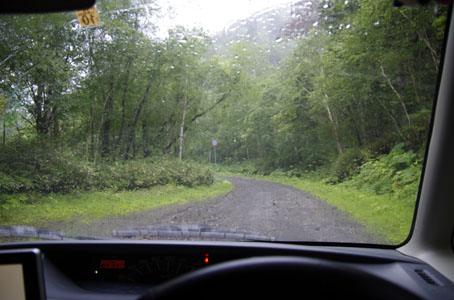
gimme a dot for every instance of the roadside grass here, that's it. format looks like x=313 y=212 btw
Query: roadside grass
x=87 y=207
x=384 y=215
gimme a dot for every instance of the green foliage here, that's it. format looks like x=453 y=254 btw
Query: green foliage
x=347 y=163
x=41 y=167
x=361 y=79
x=146 y=173
x=245 y=168
x=396 y=174
x=360 y=82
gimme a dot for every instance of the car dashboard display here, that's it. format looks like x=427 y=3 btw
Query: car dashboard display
x=125 y=270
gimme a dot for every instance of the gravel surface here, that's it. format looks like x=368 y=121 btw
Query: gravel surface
x=257 y=207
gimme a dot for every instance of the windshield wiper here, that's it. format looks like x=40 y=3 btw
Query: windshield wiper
x=152 y=232
x=190 y=232
x=40 y=233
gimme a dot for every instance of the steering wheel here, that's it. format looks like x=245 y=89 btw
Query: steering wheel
x=278 y=277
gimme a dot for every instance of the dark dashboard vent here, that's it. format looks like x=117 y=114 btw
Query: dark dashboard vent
x=426 y=277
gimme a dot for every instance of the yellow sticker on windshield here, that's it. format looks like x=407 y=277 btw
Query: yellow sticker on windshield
x=88 y=17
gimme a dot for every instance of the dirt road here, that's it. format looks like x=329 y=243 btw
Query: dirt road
x=255 y=206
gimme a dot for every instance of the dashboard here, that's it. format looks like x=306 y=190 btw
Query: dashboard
x=126 y=270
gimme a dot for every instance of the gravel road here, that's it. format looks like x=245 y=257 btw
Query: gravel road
x=260 y=207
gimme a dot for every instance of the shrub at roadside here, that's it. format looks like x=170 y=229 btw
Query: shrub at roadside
x=38 y=167
x=131 y=175
x=31 y=166
x=396 y=173
x=348 y=164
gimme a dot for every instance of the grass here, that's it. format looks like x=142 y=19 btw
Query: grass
x=384 y=215
x=89 y=207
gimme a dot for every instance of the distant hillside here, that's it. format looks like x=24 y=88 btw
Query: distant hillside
x=273 y=29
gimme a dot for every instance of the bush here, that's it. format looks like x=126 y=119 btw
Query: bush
x=347 y=164
x=246 y=168
x=146 y=173
x=40 y=167
x=396 y=173
x=32 y=166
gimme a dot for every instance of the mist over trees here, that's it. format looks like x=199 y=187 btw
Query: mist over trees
x=333 y=84
x=360 y=80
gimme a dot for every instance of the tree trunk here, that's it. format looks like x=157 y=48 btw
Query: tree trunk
x=353 y=121
x=39 y=110
x=183 y=117
x=123 y=106
x=193 y=119
x=396 y=124
x=362 y=119
x=423 y=37
x=89 y=133
x=402 y=103
x=4 y=130
x=101 y=123
x=3 y=114
x=334 y=126
x=130 y=144
x=105 y=133
x=54 y=120
x=145 y=138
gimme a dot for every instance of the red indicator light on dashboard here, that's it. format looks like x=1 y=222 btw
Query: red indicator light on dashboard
x=111 y=264
x=207 y=260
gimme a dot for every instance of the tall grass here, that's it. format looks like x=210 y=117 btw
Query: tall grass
x=49 y=210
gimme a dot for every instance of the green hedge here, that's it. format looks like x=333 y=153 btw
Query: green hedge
x=139 y=174
x=41 y=167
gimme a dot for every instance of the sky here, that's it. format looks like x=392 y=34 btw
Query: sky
x=213 y=15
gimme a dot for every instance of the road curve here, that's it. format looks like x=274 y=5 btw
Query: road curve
x=260 y=207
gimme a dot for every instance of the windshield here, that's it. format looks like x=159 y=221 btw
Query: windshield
x=245 y=120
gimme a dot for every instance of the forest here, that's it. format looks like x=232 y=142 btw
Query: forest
x=340 y=90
